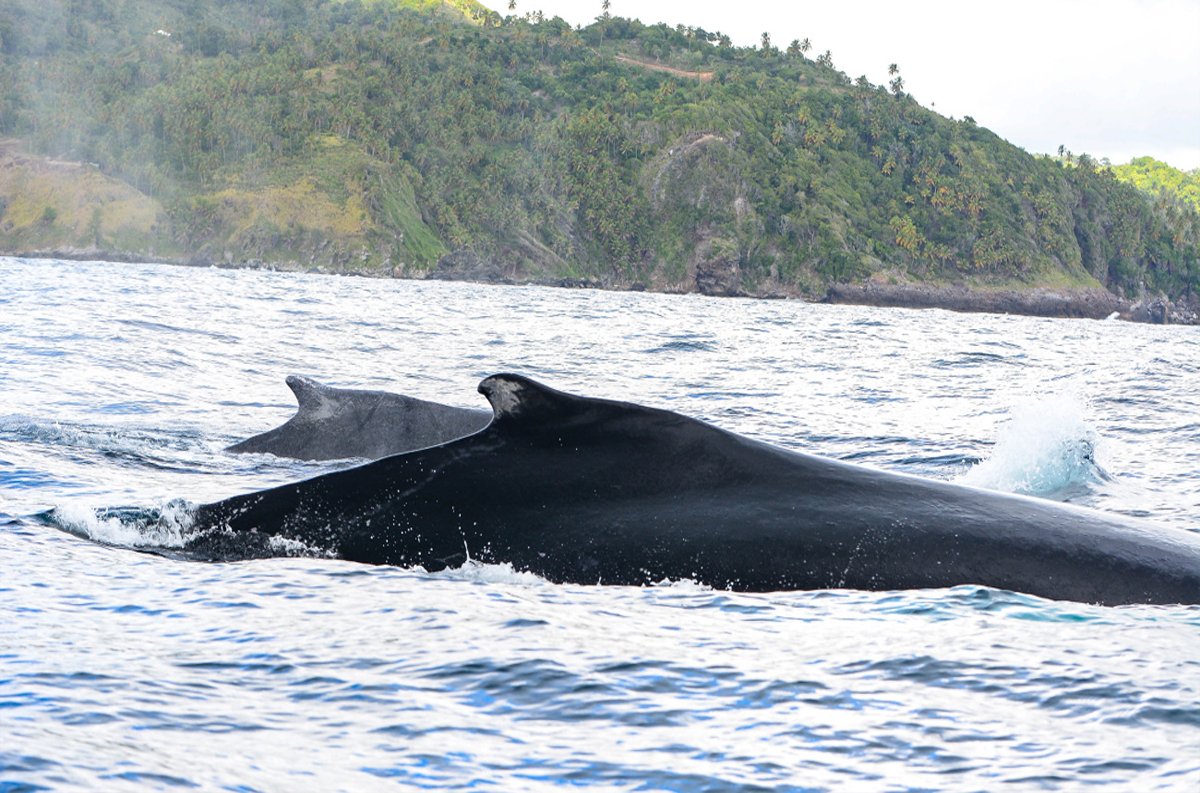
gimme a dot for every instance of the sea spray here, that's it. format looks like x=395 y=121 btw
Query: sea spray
x=163 y=527
x=1046 y=447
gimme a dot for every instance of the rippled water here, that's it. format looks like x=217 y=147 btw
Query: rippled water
x=120 y=384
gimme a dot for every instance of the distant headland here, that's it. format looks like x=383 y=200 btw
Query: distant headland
x=419 y=138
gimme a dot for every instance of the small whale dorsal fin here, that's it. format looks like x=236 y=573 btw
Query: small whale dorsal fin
x=518 y=399
x=311 y=396
x=307 y=390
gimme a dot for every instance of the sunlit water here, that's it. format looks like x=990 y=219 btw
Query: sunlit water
x=120 y=384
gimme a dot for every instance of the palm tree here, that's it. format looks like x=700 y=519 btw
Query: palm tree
x=805 y=45
x=897 y=83
x=512 y=5
x=766 y=41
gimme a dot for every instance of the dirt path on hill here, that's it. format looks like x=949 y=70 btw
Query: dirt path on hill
x=703 y=77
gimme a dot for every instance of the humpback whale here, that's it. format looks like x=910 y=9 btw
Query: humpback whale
x=335 y=423
x=586 y=490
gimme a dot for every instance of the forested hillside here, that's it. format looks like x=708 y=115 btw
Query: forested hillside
x=412 y=137
x=1169 y=184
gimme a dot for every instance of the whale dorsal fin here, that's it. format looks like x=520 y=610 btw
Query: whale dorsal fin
x=307 y=390
x=519 y=400
x=311 y=396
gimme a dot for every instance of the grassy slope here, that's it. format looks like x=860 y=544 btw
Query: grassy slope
x=314 y=213
x=54 y=203
x=334 y=207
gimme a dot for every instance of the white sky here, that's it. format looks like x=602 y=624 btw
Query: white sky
x=1113 y=78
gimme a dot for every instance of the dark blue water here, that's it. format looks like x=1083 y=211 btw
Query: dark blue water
x=120 y=384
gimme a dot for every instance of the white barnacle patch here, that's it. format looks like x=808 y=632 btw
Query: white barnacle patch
x=314 y=400
x=321 y=408
x=505 y=396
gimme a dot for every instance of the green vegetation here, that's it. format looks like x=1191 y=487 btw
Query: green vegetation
x=405 y=136
x=46 y=204
x=1160 y=179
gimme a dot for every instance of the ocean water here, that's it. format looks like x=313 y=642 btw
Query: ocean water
x=120 y=670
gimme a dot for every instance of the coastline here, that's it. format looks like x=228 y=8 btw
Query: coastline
x=1035 y=301
x=1077 y=303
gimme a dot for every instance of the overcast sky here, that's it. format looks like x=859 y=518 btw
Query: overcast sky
x=1113 y=78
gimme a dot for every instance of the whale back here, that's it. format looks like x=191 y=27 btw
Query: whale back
x=335 y=423
x=589 y=490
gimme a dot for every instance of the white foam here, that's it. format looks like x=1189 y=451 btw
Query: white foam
x=1045 y=446
x=169 y=531
x=682 y=585
x=286 y=546
x=481 y=572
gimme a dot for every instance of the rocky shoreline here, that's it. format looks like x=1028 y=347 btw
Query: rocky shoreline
x=1034 y=302
x=1077 y=303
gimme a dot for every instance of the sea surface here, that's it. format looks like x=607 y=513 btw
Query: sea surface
x=121 y=670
